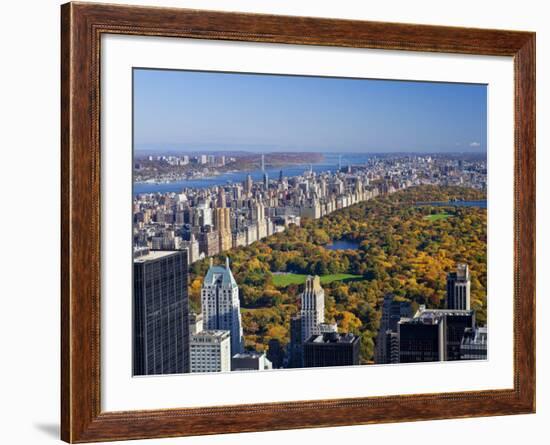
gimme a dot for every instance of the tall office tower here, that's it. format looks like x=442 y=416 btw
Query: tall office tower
x=275 y=353
x=433 y=334
x=313 y=307
x=280 y=177
x=295 y=346
x=210 y=351
x=221 y=197
x=421 y=339
x=248 y=184
x=209 y=241
x=392 y=311
x=193 y=249
x=458 y=288
x=161 y=314
x=457 y=322
x=220 y=304
x=331 y=349
x=474 y=344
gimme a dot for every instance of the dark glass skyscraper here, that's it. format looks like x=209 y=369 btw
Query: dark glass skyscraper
x=161 y=313
x=296 y=359
x=331 y=349
x=433 y=334
x=387 y=341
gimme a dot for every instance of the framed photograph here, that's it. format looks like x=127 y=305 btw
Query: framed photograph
x=274 y=222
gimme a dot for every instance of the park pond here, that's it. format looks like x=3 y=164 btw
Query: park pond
x=342 y=244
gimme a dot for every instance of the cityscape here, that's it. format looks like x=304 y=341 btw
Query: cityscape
x=253 y=260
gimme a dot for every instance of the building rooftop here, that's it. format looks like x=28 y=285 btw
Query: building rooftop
x=433 y=316
x=219 y=275
x=155 y=255
x=218 y=334
x=333 y=337
x=248 y=355
x=476 y=337
x=462 y=272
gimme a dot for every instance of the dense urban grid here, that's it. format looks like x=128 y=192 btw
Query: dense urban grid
x=173 y=231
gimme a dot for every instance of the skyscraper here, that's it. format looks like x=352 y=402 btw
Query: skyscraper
x=331 y=349
x=458 y=288
x=220 y=304
x=422 y=339
x=295 y=346
x=433 y=334
x=386 y=340
x=161 y=314
x=313 y=307
x=248 y=184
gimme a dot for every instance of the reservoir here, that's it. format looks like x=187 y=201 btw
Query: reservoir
x=481 y=204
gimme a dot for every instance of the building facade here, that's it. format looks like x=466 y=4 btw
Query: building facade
x=195 y=323
x=387 y=340
x=474 y=344
x=295 y=351
x=250 y=361
x=161 y=314
x=312 y=312
x=220 y=304
x=458 y=288
x=421 y=340
x=210 y=351
x=433 y=334
x=331 y=349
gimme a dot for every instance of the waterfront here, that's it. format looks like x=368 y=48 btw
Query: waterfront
x=328 y=164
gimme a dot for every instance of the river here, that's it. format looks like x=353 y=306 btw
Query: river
x=328 y=164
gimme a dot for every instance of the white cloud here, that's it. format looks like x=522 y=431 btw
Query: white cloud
x=474 y=144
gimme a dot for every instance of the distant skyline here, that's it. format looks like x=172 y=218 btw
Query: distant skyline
x=190 y=111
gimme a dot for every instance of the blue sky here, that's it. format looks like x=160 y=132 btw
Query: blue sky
x=187 y=110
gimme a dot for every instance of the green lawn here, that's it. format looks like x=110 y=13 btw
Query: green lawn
x=436 y=216
x=284 y=280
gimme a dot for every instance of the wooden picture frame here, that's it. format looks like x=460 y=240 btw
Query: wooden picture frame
x=82 y=25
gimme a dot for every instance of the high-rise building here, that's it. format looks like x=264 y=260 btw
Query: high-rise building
x=433 y=334
x=275 y=353
x=392 y=311
x=210 y=351
x=474 y=344
x=331 y=349
x=161 y=314
x=248 y=184
x=457 y=322
x=313 y=307
x=421 y=339
x=295 y=347
x=458 y=288
x=220 y=304
x=209 y=241
x=250 y=361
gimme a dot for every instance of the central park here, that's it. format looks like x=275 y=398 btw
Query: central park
x=397 y=246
